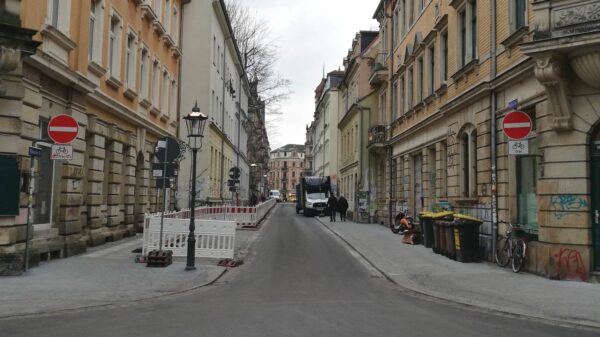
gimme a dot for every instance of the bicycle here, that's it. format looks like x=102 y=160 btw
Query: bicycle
x=510 y=248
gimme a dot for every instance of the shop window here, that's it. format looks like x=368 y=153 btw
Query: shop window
x=527 y=192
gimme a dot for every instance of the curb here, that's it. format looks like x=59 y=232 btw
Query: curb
x=471 y=306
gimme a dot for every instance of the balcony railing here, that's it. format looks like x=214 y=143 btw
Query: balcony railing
x=379 y=71
x=377 y=135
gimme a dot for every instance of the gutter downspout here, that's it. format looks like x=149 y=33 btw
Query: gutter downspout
x=183 y=3
x=493 y=108
x=360 y=151
x=222 y=173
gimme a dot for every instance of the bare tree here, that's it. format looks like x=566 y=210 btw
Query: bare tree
x=259 y=55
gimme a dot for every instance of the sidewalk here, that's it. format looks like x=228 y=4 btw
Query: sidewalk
x=482 y=285
x=104 y=275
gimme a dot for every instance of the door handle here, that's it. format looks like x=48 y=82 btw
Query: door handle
x=597 y=216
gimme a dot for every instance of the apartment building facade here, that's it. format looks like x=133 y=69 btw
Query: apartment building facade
x=450 y=72
x=215 y=79
x=114 y=67
x=325 y=138
x=286 y=167
x=358 y=102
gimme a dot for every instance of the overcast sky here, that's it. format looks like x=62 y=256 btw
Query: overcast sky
x=311 y=34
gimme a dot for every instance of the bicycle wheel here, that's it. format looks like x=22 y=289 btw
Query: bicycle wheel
x=518 y=256
x=502 y=254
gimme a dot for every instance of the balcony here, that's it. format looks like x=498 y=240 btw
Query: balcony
x=379 y=71
x=148 y=12
x=377 y=138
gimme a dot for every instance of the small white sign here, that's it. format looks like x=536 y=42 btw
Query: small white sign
x=518 y=147
x=157 y=173
x=61 y=152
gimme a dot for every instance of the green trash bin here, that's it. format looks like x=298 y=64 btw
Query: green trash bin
x=426 y=220
x=439 y=239
x=466 y=238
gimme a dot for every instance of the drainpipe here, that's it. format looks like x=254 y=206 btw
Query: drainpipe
x=360 y=149
x=493 y=108
x=181 y=18
x=391 y=194
x=221 y=180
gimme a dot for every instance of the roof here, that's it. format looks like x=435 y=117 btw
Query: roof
x=290 y=148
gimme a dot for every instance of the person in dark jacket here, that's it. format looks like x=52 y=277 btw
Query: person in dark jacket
x=332 y=205
x=342 y=206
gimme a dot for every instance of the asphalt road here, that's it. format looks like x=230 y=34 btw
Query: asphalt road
x=298 y=280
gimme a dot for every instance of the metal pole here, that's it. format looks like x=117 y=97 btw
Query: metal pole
x=29 y=208
x=191 y=241
x=164 y=188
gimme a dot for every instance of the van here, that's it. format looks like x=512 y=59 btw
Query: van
x=275 y=194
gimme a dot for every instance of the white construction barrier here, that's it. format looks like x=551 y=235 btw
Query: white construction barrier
x=214 y=239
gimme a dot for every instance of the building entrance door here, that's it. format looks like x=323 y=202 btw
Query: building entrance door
x=595 y=189
x=44 y=185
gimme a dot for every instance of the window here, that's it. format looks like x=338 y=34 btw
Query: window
x=402 y=17
x=155 y=83
x=410 y=12
x=395 y=29
x=175 y=24
x=55 y=4
x=167 y=18
x=410 y=91
x=468 y=163
x=401 y=104
x=114 y=44
x=95 y=37
x=218 y=59
x=431 y=69
x=395 y=101
x=214 y=51
x=462 y=24
x=164 y=93
x=173 y=99
x=519 y=13
x=473 y=30
x=144 y=74
x=158 y=9
x=467 y=25
x=130 y=62
x=444 y=56
x=420 y=80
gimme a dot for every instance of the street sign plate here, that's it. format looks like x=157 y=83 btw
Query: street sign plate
x=35 y=152
x=517 y=125
x=61 y=152
x=63 y=129
x=518 y=147
x=172 y=170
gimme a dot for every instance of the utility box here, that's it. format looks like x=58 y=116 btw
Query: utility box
x=10 y=182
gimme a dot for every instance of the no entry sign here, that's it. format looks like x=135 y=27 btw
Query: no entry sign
x=517 y=125
x=62 y=129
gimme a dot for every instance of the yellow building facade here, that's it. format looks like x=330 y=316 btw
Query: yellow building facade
x=448 y=73
x=114 y=67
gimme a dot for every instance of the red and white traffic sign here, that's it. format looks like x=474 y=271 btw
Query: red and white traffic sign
x=62 y=129
x=517 y=125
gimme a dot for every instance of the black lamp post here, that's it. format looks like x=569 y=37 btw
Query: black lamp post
x=195 y=122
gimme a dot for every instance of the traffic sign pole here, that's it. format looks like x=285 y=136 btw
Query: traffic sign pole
x=164 y=189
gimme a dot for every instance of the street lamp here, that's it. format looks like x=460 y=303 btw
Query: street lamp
x=195 y=122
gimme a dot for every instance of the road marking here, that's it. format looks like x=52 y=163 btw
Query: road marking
x=114 y=249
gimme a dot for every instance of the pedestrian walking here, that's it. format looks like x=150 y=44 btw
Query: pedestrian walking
x=332 y=205
x=342 y=206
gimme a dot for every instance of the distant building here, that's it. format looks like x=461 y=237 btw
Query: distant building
x=286 y=167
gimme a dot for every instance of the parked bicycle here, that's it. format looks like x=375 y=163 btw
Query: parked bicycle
x=511 y=248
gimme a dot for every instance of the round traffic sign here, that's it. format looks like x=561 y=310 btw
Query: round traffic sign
x=62 y=129
x=517 y=125
x=234 y=173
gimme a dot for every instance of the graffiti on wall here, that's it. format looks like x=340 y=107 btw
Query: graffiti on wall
x=569 y=265
x=564 y=205
x=452 y=148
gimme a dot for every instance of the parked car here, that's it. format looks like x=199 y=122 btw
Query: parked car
x=275 y=194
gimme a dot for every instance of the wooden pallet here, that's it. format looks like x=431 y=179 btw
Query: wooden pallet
x=159 y=258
